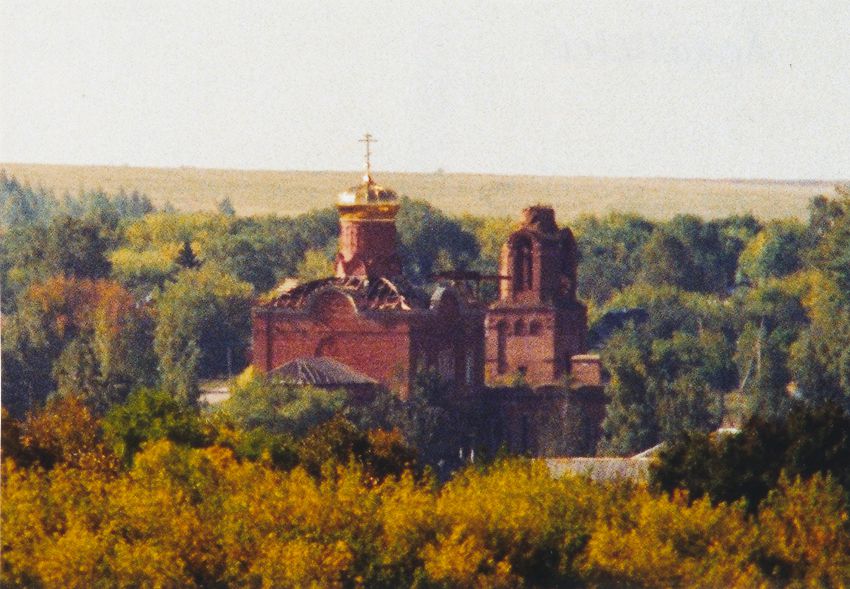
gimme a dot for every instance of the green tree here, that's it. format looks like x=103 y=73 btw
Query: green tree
x=75 y=248
x=776 y=251
x=690 y=375
x=258 y=251
x=423 y=232
x=202 y=326
x=225 y=207
x=666 y=260
x=704 y=246
x=279 y=407
x=21 y=205
x=735 y=233
x=671 y=309
x=609 y=251
x=659 y=387
x=491 y=233
x=259 y=443
x=263 y=250
x=829 y=237
x=150 y=414
x=820 y=360
x=773 y=317
x=810 y=439
x=314 y=266
x=435 y=421
x=630 y=423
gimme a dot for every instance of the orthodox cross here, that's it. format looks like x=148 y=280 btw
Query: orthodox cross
x=368 y=140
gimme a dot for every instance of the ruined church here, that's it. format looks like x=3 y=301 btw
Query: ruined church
x=368 y=324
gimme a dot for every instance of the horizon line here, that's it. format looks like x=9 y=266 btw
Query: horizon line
x=441 y=172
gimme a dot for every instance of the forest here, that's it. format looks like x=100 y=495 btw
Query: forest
x=114 y=313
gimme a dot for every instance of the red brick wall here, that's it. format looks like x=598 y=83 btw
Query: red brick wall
x=379 y=349
x=534 y=352
x=545 y=355
x=586 y=370
x=388 y=346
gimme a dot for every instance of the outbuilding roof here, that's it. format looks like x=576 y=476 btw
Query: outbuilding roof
x=321 y=371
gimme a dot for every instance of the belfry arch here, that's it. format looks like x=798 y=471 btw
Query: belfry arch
x=523 y=264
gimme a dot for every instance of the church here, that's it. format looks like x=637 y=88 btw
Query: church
x=374 y=326
x=368 y=316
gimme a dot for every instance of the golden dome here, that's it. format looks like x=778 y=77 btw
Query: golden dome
x=367 y=193
x=368 y=201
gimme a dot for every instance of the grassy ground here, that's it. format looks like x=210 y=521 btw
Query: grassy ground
x=287 y=193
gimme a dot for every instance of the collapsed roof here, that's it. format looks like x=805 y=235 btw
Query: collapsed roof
x=379 y=294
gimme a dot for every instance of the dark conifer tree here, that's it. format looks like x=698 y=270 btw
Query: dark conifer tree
x=186 y=258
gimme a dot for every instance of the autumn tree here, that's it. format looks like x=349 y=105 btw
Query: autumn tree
x=81 y=336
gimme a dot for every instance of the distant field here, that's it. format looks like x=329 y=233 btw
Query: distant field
x=287 y=193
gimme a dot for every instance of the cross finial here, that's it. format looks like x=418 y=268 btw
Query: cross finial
x=368 y=140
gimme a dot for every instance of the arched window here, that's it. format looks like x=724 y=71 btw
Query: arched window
x=501 y=347
x=519 y=327
x=522 y=264
x=534 y=328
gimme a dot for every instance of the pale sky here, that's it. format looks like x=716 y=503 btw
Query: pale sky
x=625 y=88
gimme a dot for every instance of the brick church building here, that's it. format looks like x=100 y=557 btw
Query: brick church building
x=371 y=322
x=368 y=316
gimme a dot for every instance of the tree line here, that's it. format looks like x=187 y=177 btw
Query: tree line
x=104 y=294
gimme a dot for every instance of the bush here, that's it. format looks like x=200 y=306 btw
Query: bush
x=148 y=415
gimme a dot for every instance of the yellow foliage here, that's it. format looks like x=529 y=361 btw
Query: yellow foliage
x=167 y=229
x=314 y=265
x=25 y=522
x=407 y=512
x=804 y=530
x=462 y=560
x=656 y=541
x=522 y=515
x=300 y=563
x=72 y=559
x=182 y=517
x=246 y=377
x=158 y=261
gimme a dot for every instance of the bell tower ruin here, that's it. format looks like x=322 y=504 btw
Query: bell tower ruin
x=538 y=323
